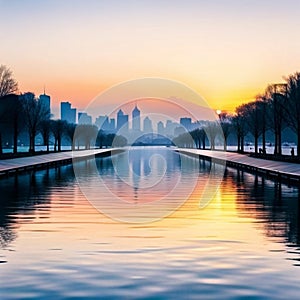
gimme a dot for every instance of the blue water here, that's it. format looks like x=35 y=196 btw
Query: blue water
x=56 y=243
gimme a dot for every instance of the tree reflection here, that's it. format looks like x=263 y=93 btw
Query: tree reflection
x=23 y=194
x=274 y=205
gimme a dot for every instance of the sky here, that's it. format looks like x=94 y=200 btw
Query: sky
x=228 y=51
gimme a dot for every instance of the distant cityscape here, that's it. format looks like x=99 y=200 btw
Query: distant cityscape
x=122 y=122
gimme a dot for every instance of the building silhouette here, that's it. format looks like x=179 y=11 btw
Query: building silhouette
x=45 y=101
x=136 y=119
x=106 y=124
x=122 y=121
x=160 y=128
x=112 y=125
x=84 y=118
x=67 y=113
x=102 y=122
x=147 y=128
x=186 y=123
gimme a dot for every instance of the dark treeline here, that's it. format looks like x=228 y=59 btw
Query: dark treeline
x=26 y=114
x=274 y=110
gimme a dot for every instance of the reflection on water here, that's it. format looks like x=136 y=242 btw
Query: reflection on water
x=54 y=243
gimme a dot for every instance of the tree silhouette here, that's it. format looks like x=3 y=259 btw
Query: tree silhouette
x=276 y=94
x=212 y=131
x=70 y=133
x=45 y=130
x=34 y=114
x=8 y=84
x=293 y=106
x=225 y=122
x=240 y=127
x=58 y=128
x=11 y=118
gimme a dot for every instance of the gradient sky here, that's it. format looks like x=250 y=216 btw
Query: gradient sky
x=228 y=51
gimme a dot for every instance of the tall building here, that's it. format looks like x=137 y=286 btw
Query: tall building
x=186 y=123
x=170 y=128
x=148 y=125
x=160 y=128
x=102 y=123
x=122 y=121
x=84 y=118
x=45 y=101
x=136 y=119
x=67 y=113
x=112 y=125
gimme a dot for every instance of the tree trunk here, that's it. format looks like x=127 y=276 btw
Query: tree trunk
x=298 y=142
x=256 y=143
x=264 y=141
x=31 y=142
x=279 y=140
x=59 y=144
x=15 y=136
x=276 y=141
x=242 y=144
x=1 y=148
x=238 y=142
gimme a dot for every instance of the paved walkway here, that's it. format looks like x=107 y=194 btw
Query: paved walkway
x=24 y=163
x=283 y=170
x=274 y=168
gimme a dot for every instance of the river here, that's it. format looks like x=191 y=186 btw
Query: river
x=139 y=226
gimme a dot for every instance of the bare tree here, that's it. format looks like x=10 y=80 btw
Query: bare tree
x=212 y=130
x=240 y=127
x=8 y=84
x=276 y=94
x=45 y=130
x=252 y=114
x=70 y=133
x=11 y=118
x=225 y=122
x=293 y=106
x=86 y=135
x=58 y=128
x=34 y=113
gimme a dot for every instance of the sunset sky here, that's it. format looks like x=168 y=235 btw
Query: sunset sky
x=227 y=51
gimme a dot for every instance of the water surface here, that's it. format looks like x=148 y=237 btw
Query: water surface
x=55 y=243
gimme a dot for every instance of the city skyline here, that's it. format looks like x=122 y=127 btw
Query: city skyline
x=111 y=124
x=227 y=51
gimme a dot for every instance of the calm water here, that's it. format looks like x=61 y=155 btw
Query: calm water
x=55 y=243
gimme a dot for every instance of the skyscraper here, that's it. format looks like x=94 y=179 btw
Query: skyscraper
x=186 y=123
x=160 y=128
x=122 y=121
x=136 y=119
x=148 y=125
x=45 y=101
x=67 y=113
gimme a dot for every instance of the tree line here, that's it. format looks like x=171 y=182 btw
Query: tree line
x=277 y=108
x=27 y=113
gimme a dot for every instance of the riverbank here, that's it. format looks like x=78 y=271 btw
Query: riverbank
x=279 y=170
x=16 y=165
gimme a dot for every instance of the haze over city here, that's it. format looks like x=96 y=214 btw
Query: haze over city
x=228 y=51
